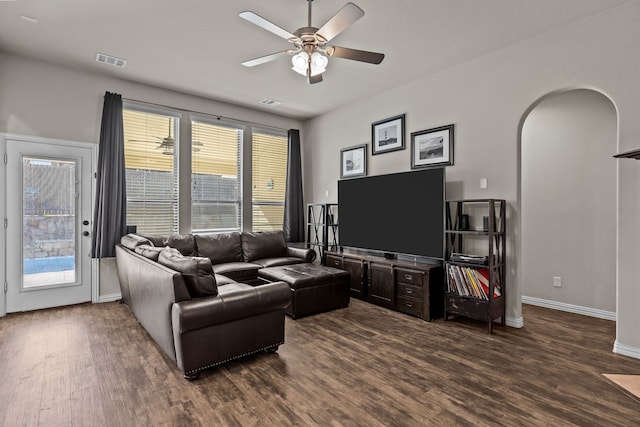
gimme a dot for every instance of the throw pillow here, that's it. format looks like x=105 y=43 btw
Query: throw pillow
x=148 y=251
x=130 y=241
x=196 y=271
x=185 y=243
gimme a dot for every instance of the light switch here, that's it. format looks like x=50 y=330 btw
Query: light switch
x=483 y=182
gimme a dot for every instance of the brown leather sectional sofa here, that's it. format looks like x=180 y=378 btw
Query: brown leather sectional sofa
x=185 y=291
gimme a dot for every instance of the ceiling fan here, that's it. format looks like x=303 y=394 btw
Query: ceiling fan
x=166 y=143
x=310 y=50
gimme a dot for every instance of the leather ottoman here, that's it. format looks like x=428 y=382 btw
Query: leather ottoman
x=314 y=288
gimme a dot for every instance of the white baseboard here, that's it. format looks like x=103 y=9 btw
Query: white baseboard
x=625 y=350
x=109 y=298
x=585 y=311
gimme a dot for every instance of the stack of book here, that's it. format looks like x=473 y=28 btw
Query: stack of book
x=472 y=259
x=472 y=282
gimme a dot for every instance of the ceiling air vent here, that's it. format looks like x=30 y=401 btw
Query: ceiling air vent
x=270 y=102
x=111 y=60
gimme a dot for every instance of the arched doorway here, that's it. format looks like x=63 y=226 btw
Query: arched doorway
x=568 y=203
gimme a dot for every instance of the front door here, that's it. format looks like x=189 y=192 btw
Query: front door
x=48 y=223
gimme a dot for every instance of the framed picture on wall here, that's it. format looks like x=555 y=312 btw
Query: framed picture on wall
x=387 y=135
x=432 y=147
x=353 y=161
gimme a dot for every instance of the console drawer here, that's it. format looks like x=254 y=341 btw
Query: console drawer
x=409 y=276
x=334 y=261
x=411 y=291
x=409 y=305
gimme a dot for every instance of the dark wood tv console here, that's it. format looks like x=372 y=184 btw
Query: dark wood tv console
x=410 y=287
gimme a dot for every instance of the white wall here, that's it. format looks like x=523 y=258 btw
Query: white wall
x=41 y=99
x=487 y=99
x=569 y=200
x=45 y=100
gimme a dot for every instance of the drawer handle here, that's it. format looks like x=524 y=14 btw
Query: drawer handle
x=336 y=262
x=408 y=276
x=409 y=291
x=409 y=305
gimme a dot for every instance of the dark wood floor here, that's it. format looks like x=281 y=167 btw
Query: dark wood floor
x=93 y=365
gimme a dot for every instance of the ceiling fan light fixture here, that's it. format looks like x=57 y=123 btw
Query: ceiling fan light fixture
x=319 y=63
x=300 y=62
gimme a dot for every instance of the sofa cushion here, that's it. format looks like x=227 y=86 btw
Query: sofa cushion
x=263 y=244
x=196 y=271
x=185 y=243
x=238 y=271
x=149 y=251
x=130 y=241
x=220 y=248
x=223 y=280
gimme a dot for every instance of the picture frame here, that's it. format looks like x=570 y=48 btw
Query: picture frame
x=387 y=135
x=353 y=161
x=432 y=147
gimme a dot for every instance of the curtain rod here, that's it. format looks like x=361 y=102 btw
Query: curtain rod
x=200 y=112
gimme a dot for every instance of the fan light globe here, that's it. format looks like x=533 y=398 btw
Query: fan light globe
x=300 y=61
x=318 y=63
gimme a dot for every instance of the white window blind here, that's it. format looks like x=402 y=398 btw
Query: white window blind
x=215 y=177
x=151 y=171
x=269 y=179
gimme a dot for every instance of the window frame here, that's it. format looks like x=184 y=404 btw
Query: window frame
x=276 y=133
x=177 y=117
x=183 y=159
x=242 y=128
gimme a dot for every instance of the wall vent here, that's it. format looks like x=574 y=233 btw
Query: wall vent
x=111 y=60
x=270 y=102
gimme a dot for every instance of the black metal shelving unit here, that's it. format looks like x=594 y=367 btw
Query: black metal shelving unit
x=481 y=249
x=322 y=228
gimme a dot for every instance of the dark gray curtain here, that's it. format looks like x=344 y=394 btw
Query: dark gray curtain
x=293 y=225
x=109 y=221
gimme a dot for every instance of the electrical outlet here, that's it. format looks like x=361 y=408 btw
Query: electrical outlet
x=557 y=281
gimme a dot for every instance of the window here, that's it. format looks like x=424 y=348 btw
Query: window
x=215 y=177
x=214 y=191
x=269 y=179
x=151 y=171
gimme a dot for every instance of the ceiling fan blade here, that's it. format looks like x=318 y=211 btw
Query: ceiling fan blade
x=355 y=54
x=315 y=79
x=339 y=22
x=264 y=59
x=267 y=25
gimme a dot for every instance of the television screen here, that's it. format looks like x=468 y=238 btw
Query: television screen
x=398 y=213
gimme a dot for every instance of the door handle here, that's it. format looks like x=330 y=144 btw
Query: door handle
x=85 y=222
x=85 y=233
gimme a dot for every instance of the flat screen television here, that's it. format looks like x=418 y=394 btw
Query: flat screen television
x=400 y=213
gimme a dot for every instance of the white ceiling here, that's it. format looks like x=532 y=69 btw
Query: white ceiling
x=196 y=46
